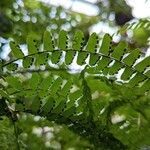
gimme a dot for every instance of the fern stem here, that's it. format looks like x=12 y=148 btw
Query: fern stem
x=100 y=54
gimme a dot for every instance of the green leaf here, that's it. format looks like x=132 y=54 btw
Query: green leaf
x=41 y=59
x=71 y=106
x=27 y=62
x=69 y=57
x=104 y=62
x=66 y=88
x=127 y=73
x=47 y=107
x=82 y=55
x=32 y=45
x=63 y=40
x=119 y=50
x=74 y=96
x=12 y=67
x=16 y=51
x=55 y=57
x=132 y=57
x=106 y=44
x=87 y=98
x=136 y=80
x=48 y=42
x=44 y=86
x=73 y=100
x=78 y=40
x=34 y=81
x=55 y=86
x=94 y=58
x=46 y=82
x=141 y=66
x=92 y=43
x=115 y=68
x=59 y=106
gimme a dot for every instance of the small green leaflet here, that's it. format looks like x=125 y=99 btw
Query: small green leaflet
x=47 y=107
x=12 y=67
x=59 y=106
x=41 y=59
x=44 y=86
x=132 y=57
x=71 y=106
x=119 y=50
x=78 y=40
x=66 y=88
x=127 y=73
x=34 y=81
x=32 y=45
x=106 y=44
x=55 y=86
x=83 y=103
x=115 y=68
x=87 y=97
x=74 y=96
x=16 y=51
x=46 y=82
x=47 y=41
x=82 y=55
x=92 y=70
x=141 y=66
x=94 y=58
x=69 y=57
x=55 y=57
x=136 y=80
x=62 y=40
x=104 y=62
x=27 y=61
x=92 y=43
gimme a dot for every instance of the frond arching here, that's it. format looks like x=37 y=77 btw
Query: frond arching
x=106 y=59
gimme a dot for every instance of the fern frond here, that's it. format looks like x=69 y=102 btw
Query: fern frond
x=105 y=59
x=52 y=96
